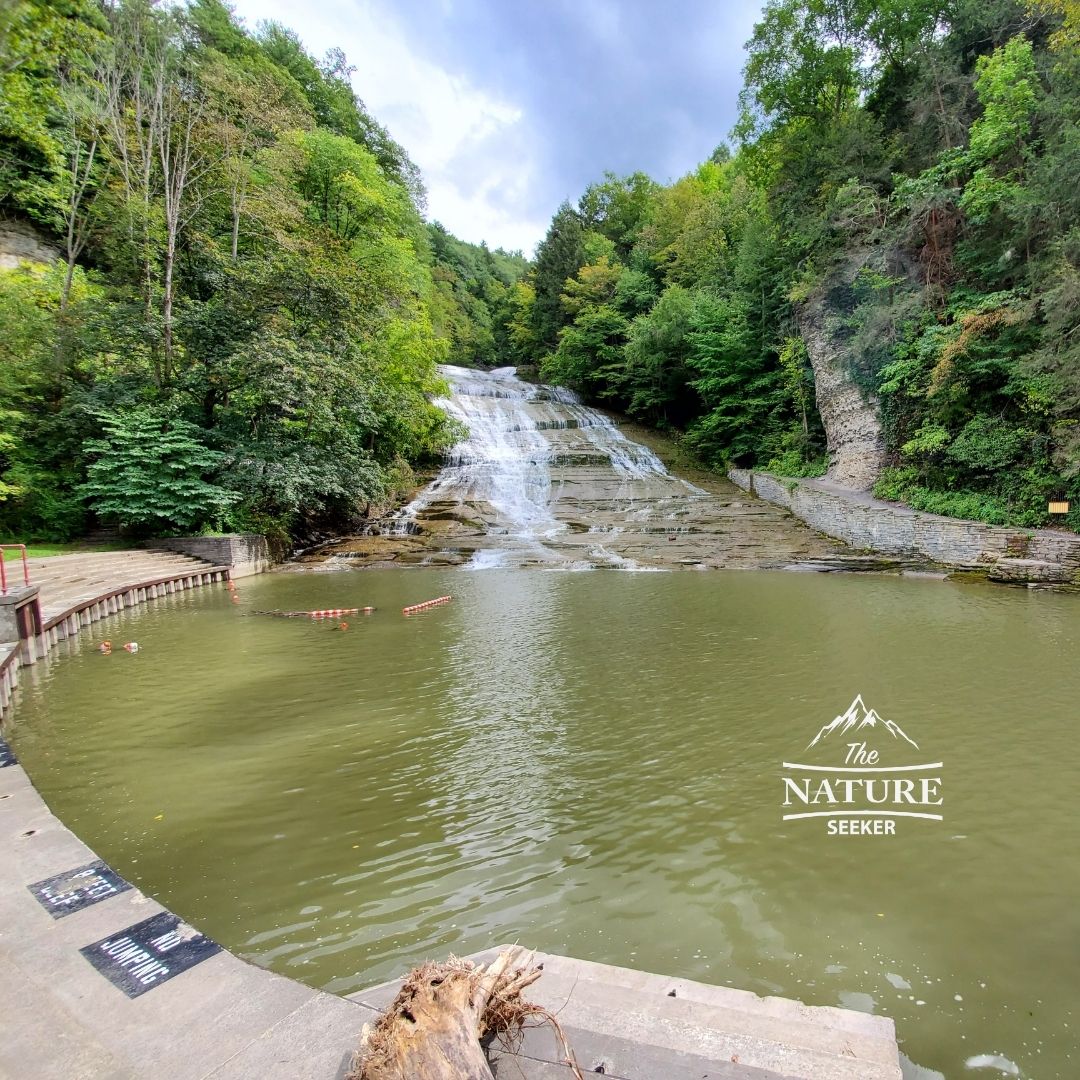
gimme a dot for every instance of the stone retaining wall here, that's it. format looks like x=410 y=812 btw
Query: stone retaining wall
x=244 y=553
x=1007 y=554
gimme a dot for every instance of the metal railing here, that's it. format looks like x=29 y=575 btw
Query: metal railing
x=3 y=566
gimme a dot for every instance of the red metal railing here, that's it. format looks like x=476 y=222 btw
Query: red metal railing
x=3 y=567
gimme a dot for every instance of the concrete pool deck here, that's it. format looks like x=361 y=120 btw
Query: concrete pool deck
x=223 y=1018
x=85 y=994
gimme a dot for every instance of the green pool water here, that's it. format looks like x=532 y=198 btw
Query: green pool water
x=591 y=763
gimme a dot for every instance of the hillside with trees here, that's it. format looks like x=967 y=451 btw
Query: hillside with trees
x=905 y=173
x=243 y=320
x=242 y=324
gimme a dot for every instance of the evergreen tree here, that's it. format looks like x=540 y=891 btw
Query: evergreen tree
x=559 y=256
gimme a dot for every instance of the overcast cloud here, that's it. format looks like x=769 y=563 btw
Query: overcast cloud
x=510 y=106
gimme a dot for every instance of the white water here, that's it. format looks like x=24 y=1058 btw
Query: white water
x=505 y=461
x=543 y=480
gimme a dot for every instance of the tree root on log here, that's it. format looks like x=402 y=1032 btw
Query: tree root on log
x=444 y=1017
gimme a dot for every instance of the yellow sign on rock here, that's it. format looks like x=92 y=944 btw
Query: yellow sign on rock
x=1058 y=508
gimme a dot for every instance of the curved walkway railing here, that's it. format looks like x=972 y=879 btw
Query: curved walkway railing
x=87 y=611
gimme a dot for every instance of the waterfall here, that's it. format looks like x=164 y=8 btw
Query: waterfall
x=537 y=474
x=503 y=461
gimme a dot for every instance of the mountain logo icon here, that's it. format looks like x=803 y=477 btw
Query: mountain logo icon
x=856 y=718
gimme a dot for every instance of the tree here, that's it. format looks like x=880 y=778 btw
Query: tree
x=590 y=353
x=617 y=208
x=657 y=350
x=251 y=108
x=41 y=42
x=238 y=280
x=998 y=149
x=739 y=386
x=149 y=471
x=559 y=256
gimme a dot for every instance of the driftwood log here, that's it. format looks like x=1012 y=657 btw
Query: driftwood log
x=447 y=1014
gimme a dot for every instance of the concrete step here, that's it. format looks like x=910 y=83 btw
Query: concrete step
x=569 y=969
x=68 y=580
x=795 y=1045
x=81 y=568
x=66 y=563
x=131 y=572
x=628 y=1021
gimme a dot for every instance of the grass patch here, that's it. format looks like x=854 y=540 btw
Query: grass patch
x=45 y=551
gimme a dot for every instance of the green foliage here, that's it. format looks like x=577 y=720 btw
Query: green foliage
x=905 y=186
x=148 y=473
x=38 y=38
x=1009 y=90
x=266 y=308
x=559 y=256
x=740 y=387
x=899 y=485
x=475 y=300
x=590 y=352
x=326 y=87
x=658 y=352
x=617 y=209
x=791 y=459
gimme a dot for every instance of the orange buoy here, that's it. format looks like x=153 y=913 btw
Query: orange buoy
x=342 y=625
x=105 y=647
x=425 y=605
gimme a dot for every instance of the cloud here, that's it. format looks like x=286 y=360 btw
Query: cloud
x=470 y=144
x=508 y=107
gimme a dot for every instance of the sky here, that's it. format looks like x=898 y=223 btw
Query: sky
x=511 y=106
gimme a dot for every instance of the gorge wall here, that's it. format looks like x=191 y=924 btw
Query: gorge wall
x=856 y=442
x=21 y=242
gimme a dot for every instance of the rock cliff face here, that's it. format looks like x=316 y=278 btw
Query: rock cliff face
x=855 y=439
x=21 y=242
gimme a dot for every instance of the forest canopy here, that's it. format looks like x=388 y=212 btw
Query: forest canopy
x=242 y=324
x=907 y=170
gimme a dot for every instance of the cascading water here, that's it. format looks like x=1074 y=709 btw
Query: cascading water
x=503 y=461
x=543 y=480
x=531 y=454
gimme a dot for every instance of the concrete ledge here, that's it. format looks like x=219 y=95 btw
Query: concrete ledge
x=221 y=1018
x=1008 y=554
x=244 y=553
x=634 y=1025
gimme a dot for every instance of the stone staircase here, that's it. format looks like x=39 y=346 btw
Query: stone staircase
x=66 y=580
x=637 y=1026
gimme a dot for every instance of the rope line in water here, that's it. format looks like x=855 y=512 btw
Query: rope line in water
x=333 y=613
x=324 y=613
x=425 y=605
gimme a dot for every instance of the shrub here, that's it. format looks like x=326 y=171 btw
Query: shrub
x=149 y=473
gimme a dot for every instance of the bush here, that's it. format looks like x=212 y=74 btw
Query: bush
x=793 y=462
x=149 y=473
